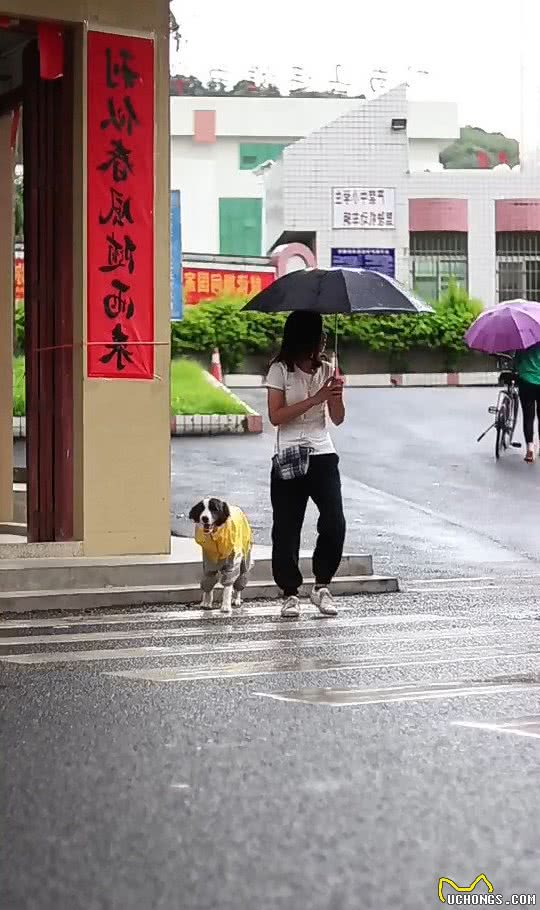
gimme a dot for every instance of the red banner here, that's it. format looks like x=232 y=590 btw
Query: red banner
x=120 y=154
x=204 y=284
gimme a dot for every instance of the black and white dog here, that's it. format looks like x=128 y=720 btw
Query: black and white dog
x=224 y=534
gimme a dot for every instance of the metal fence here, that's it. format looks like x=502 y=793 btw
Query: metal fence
x=518 y=266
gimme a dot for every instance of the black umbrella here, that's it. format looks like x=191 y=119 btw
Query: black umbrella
x=328 y=291
x=335 y=291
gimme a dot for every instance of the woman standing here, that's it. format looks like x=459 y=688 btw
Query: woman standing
x=302 y=394
x=528 y=370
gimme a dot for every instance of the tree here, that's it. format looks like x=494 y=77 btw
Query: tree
x=475 y=148
x=187 y=85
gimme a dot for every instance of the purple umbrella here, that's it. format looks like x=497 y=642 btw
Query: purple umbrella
x=511 y=326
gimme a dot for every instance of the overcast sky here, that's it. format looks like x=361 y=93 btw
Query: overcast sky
x=471 y=51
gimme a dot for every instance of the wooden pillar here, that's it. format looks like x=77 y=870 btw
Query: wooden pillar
x=6 y=320
x=48 y=155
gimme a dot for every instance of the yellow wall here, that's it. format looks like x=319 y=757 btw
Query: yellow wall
x=6 y=321
x=121 y=428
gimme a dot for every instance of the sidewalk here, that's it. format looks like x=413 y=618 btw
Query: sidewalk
x=56 y=577
x=384 y=380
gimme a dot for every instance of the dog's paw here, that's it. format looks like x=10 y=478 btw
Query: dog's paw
x=226 y=610
x=237 y=600
x=207 y=603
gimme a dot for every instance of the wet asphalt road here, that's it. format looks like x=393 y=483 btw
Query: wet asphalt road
x=258 y=764
x=420 y=493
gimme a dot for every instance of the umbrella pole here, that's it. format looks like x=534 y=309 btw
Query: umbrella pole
x=336 y=325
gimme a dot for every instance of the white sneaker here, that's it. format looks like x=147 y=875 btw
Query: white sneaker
x=291 y=607
x=322 y=599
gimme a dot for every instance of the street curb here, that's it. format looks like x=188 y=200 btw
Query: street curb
x=196 y=424
x=385 y=380
x=215 y=424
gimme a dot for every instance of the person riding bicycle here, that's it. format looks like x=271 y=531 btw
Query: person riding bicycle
x=527 y=367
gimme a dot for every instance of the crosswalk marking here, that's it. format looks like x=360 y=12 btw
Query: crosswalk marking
x=182 y=646
x=407 y=693
x=219 y=630
x=209 y=617
x=155 y=651
x=71 y=657
x=301 y=665
x=532 y=733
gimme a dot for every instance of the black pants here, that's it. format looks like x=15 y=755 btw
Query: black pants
x=322 y=484
x=529 y=395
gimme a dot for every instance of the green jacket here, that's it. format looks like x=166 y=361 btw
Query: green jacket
x=528 y=365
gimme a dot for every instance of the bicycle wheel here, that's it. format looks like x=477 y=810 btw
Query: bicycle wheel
x=502 y=426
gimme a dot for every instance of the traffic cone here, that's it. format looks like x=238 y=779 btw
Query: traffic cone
x=215 y=366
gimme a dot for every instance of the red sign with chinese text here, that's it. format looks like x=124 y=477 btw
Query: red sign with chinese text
x=120 y=158
x=204 y=284
x=19 y=279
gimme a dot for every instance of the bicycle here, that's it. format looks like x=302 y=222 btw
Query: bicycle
x=507 y=408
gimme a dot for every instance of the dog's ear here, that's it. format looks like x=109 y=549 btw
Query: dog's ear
x=196 y=511
x=221 y=511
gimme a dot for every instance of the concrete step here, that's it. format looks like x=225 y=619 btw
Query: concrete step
x=77 y=599
x=78 y=574
x=17 y=551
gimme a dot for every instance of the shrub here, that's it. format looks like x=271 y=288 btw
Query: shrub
x=18 y=333
x=221 y=323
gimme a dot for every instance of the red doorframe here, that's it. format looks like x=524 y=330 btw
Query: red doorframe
x=48 y=263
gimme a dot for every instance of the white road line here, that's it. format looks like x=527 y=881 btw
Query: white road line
x=267 y=644
x=274 y=644
x=72 y=657
x=340 y=698
x=227 y=630
x=448 y=590
x=213 y=619
x=465 y=580
x=495 y=728
x=307 y=665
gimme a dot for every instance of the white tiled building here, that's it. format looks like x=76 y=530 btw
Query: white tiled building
x=218 y=143
x=366 y=185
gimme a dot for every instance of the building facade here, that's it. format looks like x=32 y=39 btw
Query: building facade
x=220 y=146
x=358 y=192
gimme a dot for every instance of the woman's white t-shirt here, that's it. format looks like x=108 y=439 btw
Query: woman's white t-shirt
x=311 y=429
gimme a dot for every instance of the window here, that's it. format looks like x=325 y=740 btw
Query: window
x=240 y=227
x=437 y=259
x=253 y=154
x=518 y=265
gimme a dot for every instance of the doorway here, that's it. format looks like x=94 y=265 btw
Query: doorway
x=46 y=151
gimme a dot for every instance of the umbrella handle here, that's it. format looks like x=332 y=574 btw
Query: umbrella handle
x=336 y=325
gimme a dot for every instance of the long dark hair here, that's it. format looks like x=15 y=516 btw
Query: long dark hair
x=302 y=337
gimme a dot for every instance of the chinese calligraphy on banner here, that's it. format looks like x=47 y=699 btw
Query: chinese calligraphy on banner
x=120 y=160
x=203 y=284
x=363 y=207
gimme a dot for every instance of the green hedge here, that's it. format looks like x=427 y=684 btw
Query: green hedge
x=222 y=324
x=237 y=334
